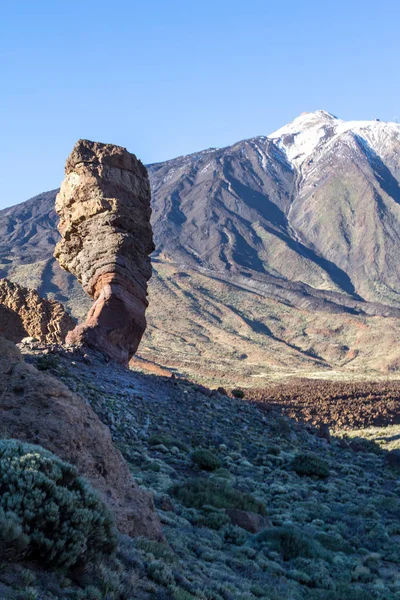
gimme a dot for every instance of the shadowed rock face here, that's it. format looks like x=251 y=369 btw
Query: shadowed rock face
x=39 y=409
x=104 y=210
x=23 y=313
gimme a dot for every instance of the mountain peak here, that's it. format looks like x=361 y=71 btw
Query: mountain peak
x=317 y=114
x=300 y=138
x=312 y=131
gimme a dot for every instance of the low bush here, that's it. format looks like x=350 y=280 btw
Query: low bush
x=344 y=592
x=158 y=549
x=310 y=464
x=197 y=493
x=290 y=542
x=236 y=393
x=47 y=362
x=181 y=594
x=281 y=427
x=47 y=511
x=166 y=440
x=273 y=450
x=211 y=518
x=205 y=460
x=335 y=543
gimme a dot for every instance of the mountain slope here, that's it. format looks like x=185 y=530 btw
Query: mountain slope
x=302 y=226
x=315 y=202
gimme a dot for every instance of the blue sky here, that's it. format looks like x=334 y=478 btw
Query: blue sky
x=166 y=78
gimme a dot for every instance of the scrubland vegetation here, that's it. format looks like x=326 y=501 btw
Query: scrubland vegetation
x=328 y=514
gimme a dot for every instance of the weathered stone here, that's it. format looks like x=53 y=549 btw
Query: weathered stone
x=104 y=210
x=23 y=313
x=248 y=520
x=39 y=409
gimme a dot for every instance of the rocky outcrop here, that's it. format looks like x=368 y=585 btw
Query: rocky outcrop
x=39 y=409
x=104 y=210
x=23 y=313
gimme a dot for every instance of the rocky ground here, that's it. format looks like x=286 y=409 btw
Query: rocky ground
x=253 y=504
x=342 y=405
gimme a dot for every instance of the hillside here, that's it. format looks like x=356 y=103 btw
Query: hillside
x=252 y=505
x=274 y=257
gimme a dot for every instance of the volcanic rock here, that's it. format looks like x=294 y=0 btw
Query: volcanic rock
x=248 y=520
x=104 y=210
x=37 y=408
x=23 y=313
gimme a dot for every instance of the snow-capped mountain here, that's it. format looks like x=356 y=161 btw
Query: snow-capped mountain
x=310 y=134
x=316 y=202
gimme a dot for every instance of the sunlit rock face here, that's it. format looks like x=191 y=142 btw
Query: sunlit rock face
x=23 y=313
x=104 y=211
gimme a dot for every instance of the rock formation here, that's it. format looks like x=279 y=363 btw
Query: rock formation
x=39 y=409
x=23 y=313
x=104 y=210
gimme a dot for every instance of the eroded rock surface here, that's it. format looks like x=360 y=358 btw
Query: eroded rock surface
x=104 y=210
x=23 y=313
x=37 y=408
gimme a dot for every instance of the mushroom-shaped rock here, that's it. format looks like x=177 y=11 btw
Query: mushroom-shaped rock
x=106 y=240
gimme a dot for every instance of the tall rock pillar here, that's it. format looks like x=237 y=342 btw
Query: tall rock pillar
x=104 y=210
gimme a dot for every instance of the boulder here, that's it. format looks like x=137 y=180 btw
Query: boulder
x=37 y=408
x=104 y=210
x=248 y=520
x=23 y=313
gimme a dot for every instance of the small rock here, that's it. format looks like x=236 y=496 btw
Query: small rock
x=29 y=340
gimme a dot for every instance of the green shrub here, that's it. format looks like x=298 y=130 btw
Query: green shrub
x=158 y=549
x=273 y=450
x=344 y=592
x=212 y=518
x=14 y=542
x=310 y=464
x=166 y=440
x=232 y=534
x=205 y=460
x=290 y=542
x=160 y=573
x=181 y=594
x=89 y=593
x=47 y=361
x=197 y=493
x=281 y=427
x=236 y=393
x=47 y=511
x=335 y=543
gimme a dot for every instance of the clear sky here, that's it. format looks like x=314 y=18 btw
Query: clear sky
x=169 y=77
